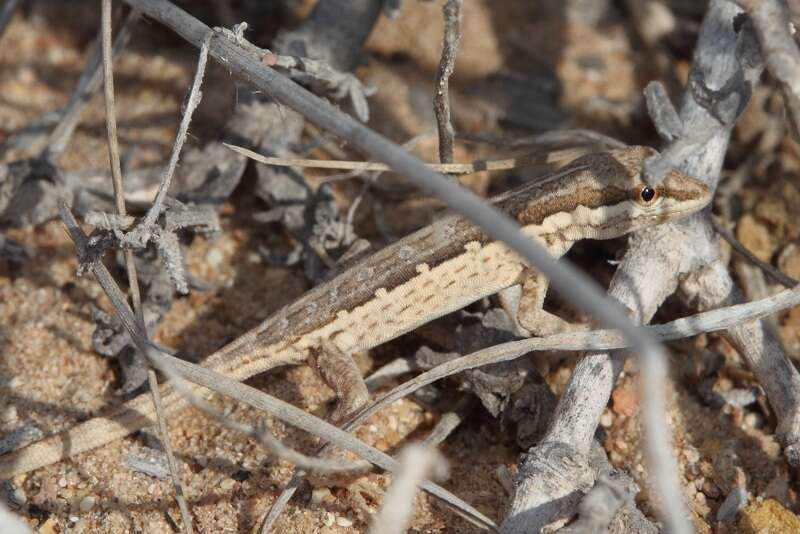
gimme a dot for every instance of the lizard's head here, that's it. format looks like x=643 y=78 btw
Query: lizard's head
x=602 y=196
x=676 y=196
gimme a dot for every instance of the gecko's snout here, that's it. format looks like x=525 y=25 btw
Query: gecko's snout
x=689 y=193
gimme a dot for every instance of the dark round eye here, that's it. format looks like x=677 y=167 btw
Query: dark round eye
x=647 y=193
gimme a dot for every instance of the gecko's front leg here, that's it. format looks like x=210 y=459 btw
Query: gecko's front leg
x=341 y=374
x=524 y=304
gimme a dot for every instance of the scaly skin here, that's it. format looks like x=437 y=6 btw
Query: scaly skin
x=434 y=271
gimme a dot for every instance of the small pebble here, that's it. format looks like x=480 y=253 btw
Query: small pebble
x=87 y=503
x=753 y=420
x=607 y=419
x=62 y=482
x=18 y=497
x=732 y=505
x=320 y=495
x=9 y=415
x=625 y=400
x=148 y=461
x=329 y=519
x=692 y=470
x=214 y=258
x=778 y=489
x=393 y=423
x=739 y=397
x=50 y=526
x=344 y=522
x=710 y=489
x=14 y=383
x=692 y=455
x=26 y=75
x=503 y=475
x=227 y=484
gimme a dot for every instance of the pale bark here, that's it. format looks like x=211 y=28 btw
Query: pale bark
x=549 y=486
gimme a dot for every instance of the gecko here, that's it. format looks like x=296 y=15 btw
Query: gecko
x=436 y=270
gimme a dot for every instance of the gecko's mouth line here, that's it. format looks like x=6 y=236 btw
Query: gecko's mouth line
x=685 y=210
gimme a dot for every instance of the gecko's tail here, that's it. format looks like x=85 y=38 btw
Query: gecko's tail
x=128 y=418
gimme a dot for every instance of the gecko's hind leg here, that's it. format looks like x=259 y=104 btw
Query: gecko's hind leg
x=523 y=303
x=342 y=375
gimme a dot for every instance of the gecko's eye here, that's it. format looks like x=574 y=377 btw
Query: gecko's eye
x=647 y=194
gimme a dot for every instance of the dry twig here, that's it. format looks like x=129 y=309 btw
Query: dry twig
x=441 y=97
x=449 y=421
x=195 y=95
x=781 y=54
x=370 y=166
x=133 y=280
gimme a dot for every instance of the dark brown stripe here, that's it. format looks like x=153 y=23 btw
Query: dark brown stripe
x=388 y=268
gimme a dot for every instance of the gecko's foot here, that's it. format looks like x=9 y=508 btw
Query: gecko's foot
x=341 y=373
x=349 y=404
